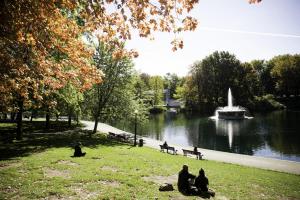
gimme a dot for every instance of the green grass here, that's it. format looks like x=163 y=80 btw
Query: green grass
x=41 y=166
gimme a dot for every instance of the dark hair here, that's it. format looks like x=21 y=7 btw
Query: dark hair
x=201 y=172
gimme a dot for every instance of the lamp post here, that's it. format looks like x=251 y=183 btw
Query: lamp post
x=135 y=124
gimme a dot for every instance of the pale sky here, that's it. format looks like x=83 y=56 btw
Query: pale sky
x=250 y=31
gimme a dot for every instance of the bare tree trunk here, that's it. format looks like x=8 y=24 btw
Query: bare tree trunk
x=5 y=116
x=96 y=124
x=19 y=121
x=77 y=119
x=12 y=116
x=48 y=119
x=69 y=119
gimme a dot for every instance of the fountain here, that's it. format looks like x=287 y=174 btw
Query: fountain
x=229 y=111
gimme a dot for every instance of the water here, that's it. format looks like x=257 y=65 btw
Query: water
x=274 y=135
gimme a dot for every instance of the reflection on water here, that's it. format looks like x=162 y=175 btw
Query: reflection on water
x=273 y=135
x=225 y=128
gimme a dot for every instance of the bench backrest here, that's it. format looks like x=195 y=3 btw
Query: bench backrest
x=111 y=133
x=191 y=152
x=171 y=148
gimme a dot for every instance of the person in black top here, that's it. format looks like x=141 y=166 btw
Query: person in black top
x=78 y=152
x=184 y=179
x=165 y=144
x=201 y=184
x=195 y=150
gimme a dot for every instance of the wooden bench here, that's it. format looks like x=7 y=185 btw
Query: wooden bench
x=112 y=135
x=121 y=137
x=198 y=154
x=168 y=148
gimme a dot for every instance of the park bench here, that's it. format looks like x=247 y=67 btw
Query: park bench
x=121 y=136
x=168 y=148
x=198 y=154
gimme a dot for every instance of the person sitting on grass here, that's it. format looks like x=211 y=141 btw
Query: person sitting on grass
x=185 y=180
x=201 y=184
x=78 y=152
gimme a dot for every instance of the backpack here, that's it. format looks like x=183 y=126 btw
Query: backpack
x=166 y=187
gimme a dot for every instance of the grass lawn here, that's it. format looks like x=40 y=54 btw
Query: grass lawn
x=41 y=167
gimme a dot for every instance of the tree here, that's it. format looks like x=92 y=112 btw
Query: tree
x=157 y=86
x=211 y=77
x=114 y=98
x=286 y=72
x=70 y=99
x=31 y=33
x=171 y=81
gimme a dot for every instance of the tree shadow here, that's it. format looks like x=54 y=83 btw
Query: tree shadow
x=37 y=140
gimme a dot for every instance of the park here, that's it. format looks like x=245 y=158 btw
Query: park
x=138 y=100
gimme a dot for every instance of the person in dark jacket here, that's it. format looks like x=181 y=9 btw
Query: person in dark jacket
x=78 y=152
x=184 y=181
x=201 y=184
x=165 y=144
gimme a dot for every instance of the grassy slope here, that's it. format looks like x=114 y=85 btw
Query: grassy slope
x=112 y=170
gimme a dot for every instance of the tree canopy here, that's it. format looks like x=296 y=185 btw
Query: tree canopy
x=43 y=50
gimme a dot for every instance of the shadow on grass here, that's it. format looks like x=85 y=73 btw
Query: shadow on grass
x=37 y=139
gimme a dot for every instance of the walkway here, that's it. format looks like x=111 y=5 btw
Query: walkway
x=252 y=161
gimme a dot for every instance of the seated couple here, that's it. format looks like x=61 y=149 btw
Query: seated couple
x=189 y=184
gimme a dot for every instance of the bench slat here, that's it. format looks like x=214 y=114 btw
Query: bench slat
x=198 y=153
x=168 y=148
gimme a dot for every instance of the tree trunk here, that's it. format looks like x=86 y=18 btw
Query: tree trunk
x=77 y=119
x=12 y=116
x=48 y=119
x=69 y=120
x=31 y=117
x=96 y=124
x=19 y=121
x=57 y=116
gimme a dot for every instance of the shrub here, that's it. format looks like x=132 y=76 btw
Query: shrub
x=266 y=103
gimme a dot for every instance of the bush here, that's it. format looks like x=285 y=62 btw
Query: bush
x=266 y=103
x=157 y=109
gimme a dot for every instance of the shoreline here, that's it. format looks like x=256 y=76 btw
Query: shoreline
x=286 y=166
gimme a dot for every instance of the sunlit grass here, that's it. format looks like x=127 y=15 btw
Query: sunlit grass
x=112 y=170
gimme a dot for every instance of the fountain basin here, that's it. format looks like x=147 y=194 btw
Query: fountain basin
x=231 y=114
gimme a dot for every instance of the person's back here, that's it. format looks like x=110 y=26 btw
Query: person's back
x=165 y=144
x=201 y=183
x=78 y=152
x=183 y=180
x=195 y=150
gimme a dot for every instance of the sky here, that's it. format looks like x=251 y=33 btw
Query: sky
x=249 y=31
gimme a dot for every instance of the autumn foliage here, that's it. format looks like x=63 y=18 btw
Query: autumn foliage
x=41 y=41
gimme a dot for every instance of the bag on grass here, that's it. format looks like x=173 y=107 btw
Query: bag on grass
x=166 y=187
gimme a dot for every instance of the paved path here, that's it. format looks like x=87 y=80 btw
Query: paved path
x=252 y=161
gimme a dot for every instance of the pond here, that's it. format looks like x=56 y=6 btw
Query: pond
x=274 y=135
